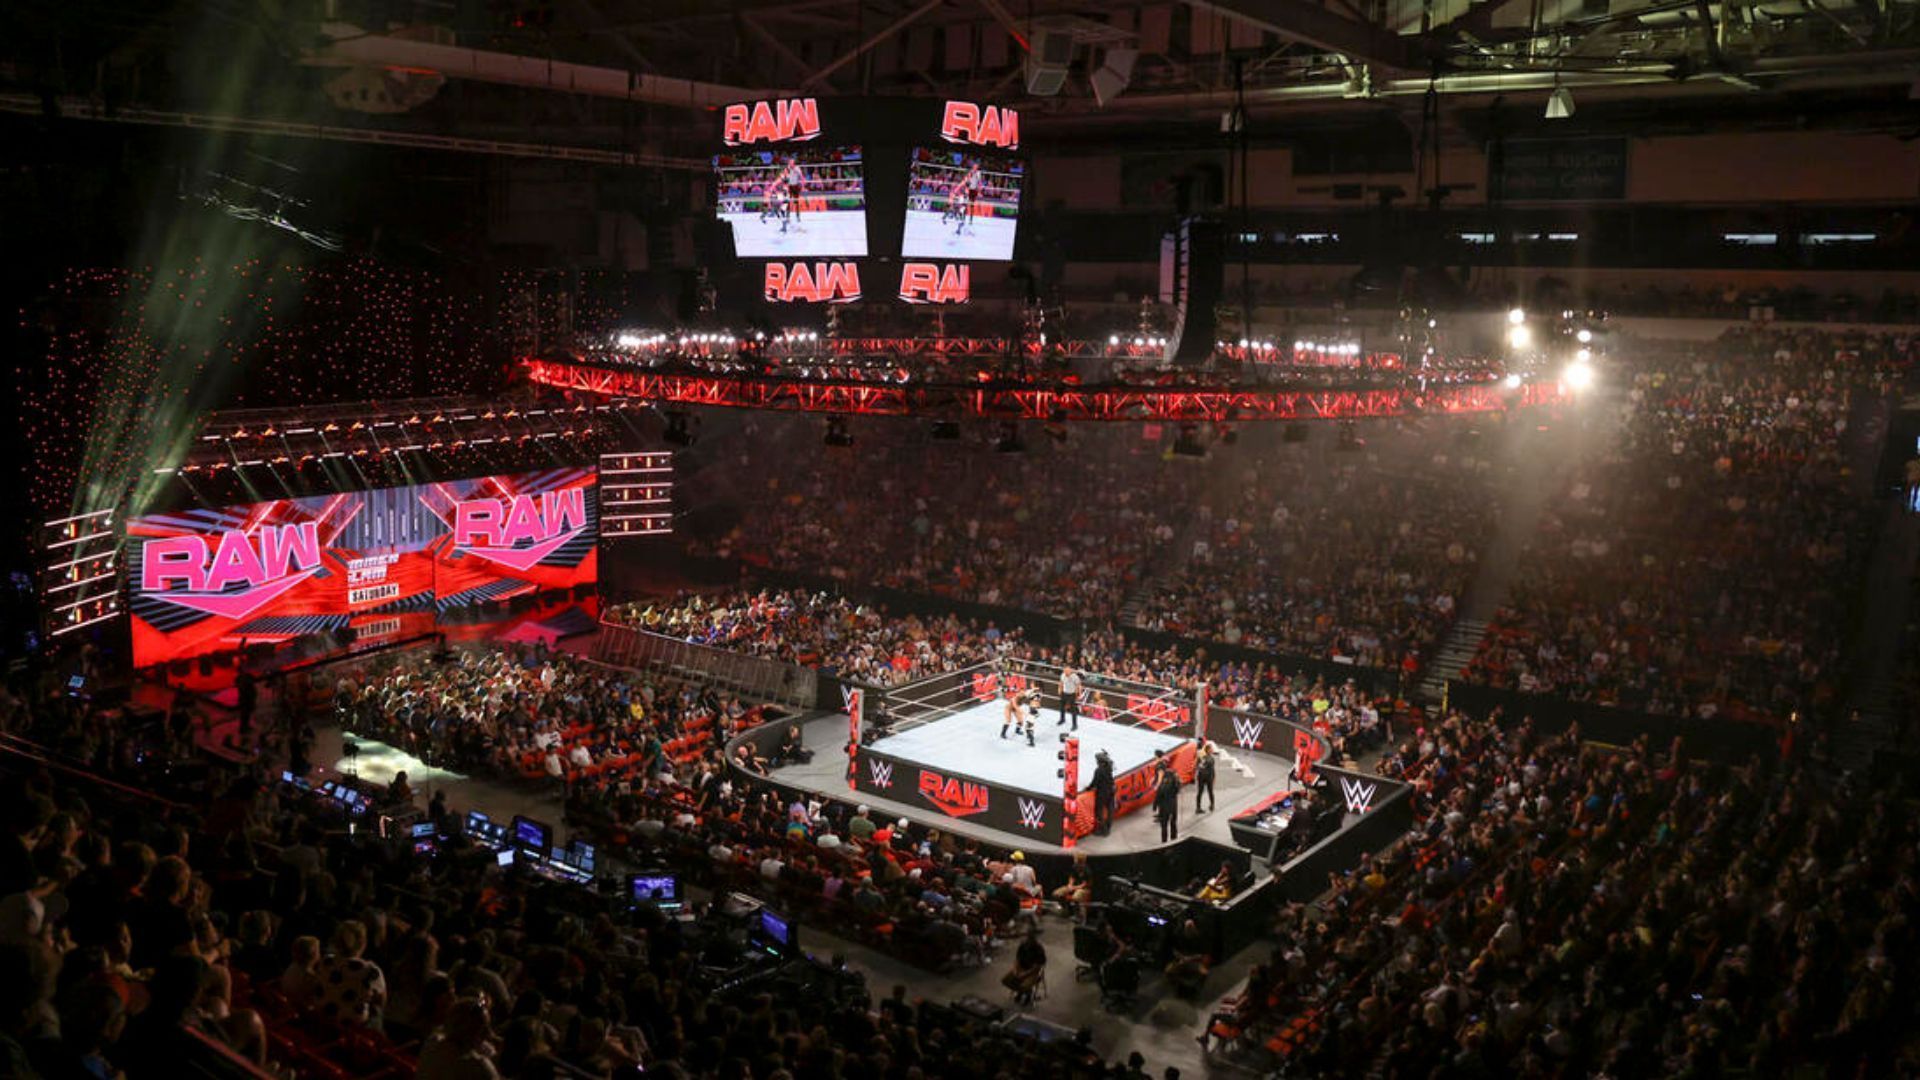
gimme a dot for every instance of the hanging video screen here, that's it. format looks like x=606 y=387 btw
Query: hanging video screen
x=962 y=205
x=793 y=201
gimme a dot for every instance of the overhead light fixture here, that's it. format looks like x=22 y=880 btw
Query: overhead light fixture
x=1560 y=104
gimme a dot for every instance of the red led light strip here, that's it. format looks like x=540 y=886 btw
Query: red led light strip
x=1021 y=402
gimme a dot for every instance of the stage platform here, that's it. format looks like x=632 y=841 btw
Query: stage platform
x=968 y=742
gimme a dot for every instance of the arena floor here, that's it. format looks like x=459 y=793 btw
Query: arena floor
x=968 y=742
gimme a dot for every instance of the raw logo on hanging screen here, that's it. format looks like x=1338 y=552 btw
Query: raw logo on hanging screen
x=385 y=563
x=961 y=205
x=793 y=201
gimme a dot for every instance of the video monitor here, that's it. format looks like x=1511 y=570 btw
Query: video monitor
x=775 y=932
x=961 y=205
x=421 y=828
x=504 y=858
x=583 y=856
x=793 y=201
x=531 y=834
x=659 y=889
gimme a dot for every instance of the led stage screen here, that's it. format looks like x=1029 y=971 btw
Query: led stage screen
x=204 y=580
x=788 y=201
x=961 y=205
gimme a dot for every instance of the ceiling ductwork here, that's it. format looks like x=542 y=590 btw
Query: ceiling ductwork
x=350 y=47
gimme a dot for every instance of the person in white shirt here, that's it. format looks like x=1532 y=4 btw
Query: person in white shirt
x=580 y=756
x=1023 y=876
x=1070 y=698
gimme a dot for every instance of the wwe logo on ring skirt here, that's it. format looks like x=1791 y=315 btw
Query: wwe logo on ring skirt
x=1033 y=814
x=880 y=773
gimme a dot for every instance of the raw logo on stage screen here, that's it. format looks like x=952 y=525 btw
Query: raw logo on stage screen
x=961 y=205
x=203 y=580
x=796 y=202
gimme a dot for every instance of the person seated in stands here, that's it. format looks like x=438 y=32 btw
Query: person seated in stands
x=1219 y=886
x=1077 y=893
x=745 y=757
x=1190 y=963
x=1024 y=879
x=1119 y=951
x=792 y=750
x=1236 y=1012
x=861 y=827
x=353 y=989
x=1029 y=967
x=580 y=757
x=300 y=983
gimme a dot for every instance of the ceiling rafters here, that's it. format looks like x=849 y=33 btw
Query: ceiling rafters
x=1307 y=22
x=860 y=50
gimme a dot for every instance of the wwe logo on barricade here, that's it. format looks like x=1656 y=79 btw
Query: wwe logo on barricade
x=880 y=772
x=1247 y=732
x=1033 y=814
x=1359 y=794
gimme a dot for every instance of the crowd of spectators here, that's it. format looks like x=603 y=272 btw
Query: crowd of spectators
x=824 y=630
x=1359 y=556
x=863 y=642
x=1575 y=911
x=1699 y=562
x=143 y=936
x=528 y=711
x=1062 y=528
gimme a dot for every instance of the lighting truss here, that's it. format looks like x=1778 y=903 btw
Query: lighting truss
x=77 y=564
x=249 y=438
x=636 y=494
x=1029 y=401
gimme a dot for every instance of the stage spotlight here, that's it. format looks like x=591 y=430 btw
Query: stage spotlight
x=1517 y=316
x=1583 y=335
x=1513 y=380
x=837 y=433
x=1578 y=376
x=1519 y=336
